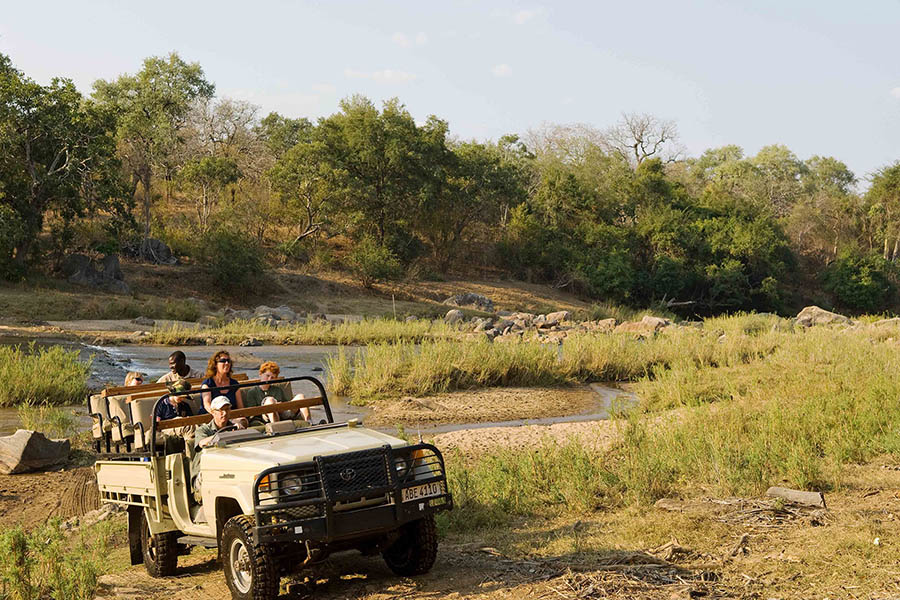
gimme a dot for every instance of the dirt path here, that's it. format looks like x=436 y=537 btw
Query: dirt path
x=31 y=498
x=462 y=571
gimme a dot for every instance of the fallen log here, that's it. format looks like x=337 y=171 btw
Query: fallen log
x=798 y=496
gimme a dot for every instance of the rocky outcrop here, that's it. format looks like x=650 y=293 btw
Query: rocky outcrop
x=646 y=325
x=454 y=316
x=471 y=300
x=813 y=315
x=105 y=275
x=156 y=251
x=27 y=450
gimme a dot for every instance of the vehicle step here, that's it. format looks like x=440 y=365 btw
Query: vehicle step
x=196 y=540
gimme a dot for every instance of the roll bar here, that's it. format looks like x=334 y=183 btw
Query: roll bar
x=323 y=397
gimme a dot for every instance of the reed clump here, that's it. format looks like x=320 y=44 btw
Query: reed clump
x=36 y=375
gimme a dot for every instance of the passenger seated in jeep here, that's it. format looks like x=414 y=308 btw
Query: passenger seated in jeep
x=175 y=406
x=266 y=394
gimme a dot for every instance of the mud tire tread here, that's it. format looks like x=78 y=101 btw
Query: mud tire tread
x=166 y=562
x=415 y=551
x=266 y=580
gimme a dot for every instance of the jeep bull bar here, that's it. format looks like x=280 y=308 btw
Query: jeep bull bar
x=346 y=495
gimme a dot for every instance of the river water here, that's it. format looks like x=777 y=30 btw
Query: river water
x=109 y=364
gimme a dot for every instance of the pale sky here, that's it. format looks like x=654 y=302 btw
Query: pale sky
x=822 y=77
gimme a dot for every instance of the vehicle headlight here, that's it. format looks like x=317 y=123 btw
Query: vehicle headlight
x=401 y=465
x=291 y=486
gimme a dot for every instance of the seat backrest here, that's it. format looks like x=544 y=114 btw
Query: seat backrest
x=97 y=405
x=118 y=407
x=142 y=412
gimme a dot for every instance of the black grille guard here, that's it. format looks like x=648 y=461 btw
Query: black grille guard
x=311 y=511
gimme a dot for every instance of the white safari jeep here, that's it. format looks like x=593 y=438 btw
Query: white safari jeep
x=272 y=498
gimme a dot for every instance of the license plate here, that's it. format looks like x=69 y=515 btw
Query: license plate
x=422 y=491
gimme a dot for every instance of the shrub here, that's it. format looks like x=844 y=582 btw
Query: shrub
x=861 y=283
x=45 y=564
x=372 y=262
x=51 y=375
x=52 y=421
x=235 y=261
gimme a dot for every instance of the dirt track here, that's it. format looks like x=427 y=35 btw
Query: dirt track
x=462 y=571
x=31 y=498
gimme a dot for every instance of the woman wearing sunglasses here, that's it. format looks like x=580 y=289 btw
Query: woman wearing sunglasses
x=218 y=373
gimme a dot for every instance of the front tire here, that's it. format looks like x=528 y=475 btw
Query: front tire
x=250 y=570
x=415 y=550
x=160 y=551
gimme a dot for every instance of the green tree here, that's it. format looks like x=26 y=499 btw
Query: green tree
x=57 y=153
x=474 y=182
x=210 y=175
x=306 y=183
x=153 y=108
x=883 y=199
x=281 y=133
x=376 y=157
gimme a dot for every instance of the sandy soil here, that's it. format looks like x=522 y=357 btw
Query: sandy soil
x=472 y=442
x=468 y=571
x=490 y=405
x=31 y=498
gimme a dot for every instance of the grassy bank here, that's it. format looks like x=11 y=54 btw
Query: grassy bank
x=35 y=376
x=435 y=366
x=367 y=331
x=768 y=407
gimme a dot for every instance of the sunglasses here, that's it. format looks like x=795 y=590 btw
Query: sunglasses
x=224 y=360
x=138 y=378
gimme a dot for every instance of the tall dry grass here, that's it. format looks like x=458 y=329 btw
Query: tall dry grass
x=762 y=406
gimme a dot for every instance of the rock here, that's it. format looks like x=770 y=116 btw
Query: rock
x=605 y=325
x=471 y=300
x=504 y=325
x=411 y=319
x=483 y=324
x=646 y=325
x=527 y=318
x=250 y=341
x=198 y=302
x=82 y=270
x=263 y=310
x=209 y=341
x=145 y=321
x=454 y=316
x=158 y=252
x=105 y=512
x=208 y=320
x=813 y=315
x=230 y=315
x=557 y=317
x=27 y=450
x=887 y=322
x=316 y=317
x=284 y=313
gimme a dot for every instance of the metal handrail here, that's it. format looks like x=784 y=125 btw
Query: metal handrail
x=165 y=398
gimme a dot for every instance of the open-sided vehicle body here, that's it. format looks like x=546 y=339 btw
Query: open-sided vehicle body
x=274 y=498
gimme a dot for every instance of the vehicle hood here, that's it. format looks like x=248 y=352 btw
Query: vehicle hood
x=255 y=455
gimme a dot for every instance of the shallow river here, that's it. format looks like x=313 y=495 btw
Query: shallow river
x=111 y=363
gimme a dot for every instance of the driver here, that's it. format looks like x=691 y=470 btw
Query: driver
x=220 y=408
x=205 y=435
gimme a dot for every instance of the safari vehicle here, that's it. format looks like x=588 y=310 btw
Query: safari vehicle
x=273 y=499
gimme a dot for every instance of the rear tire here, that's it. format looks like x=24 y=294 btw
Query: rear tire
x=250 y=570
x=415 y=550
x=160 y=551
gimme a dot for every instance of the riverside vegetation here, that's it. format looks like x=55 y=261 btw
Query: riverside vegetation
x=755 y=401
